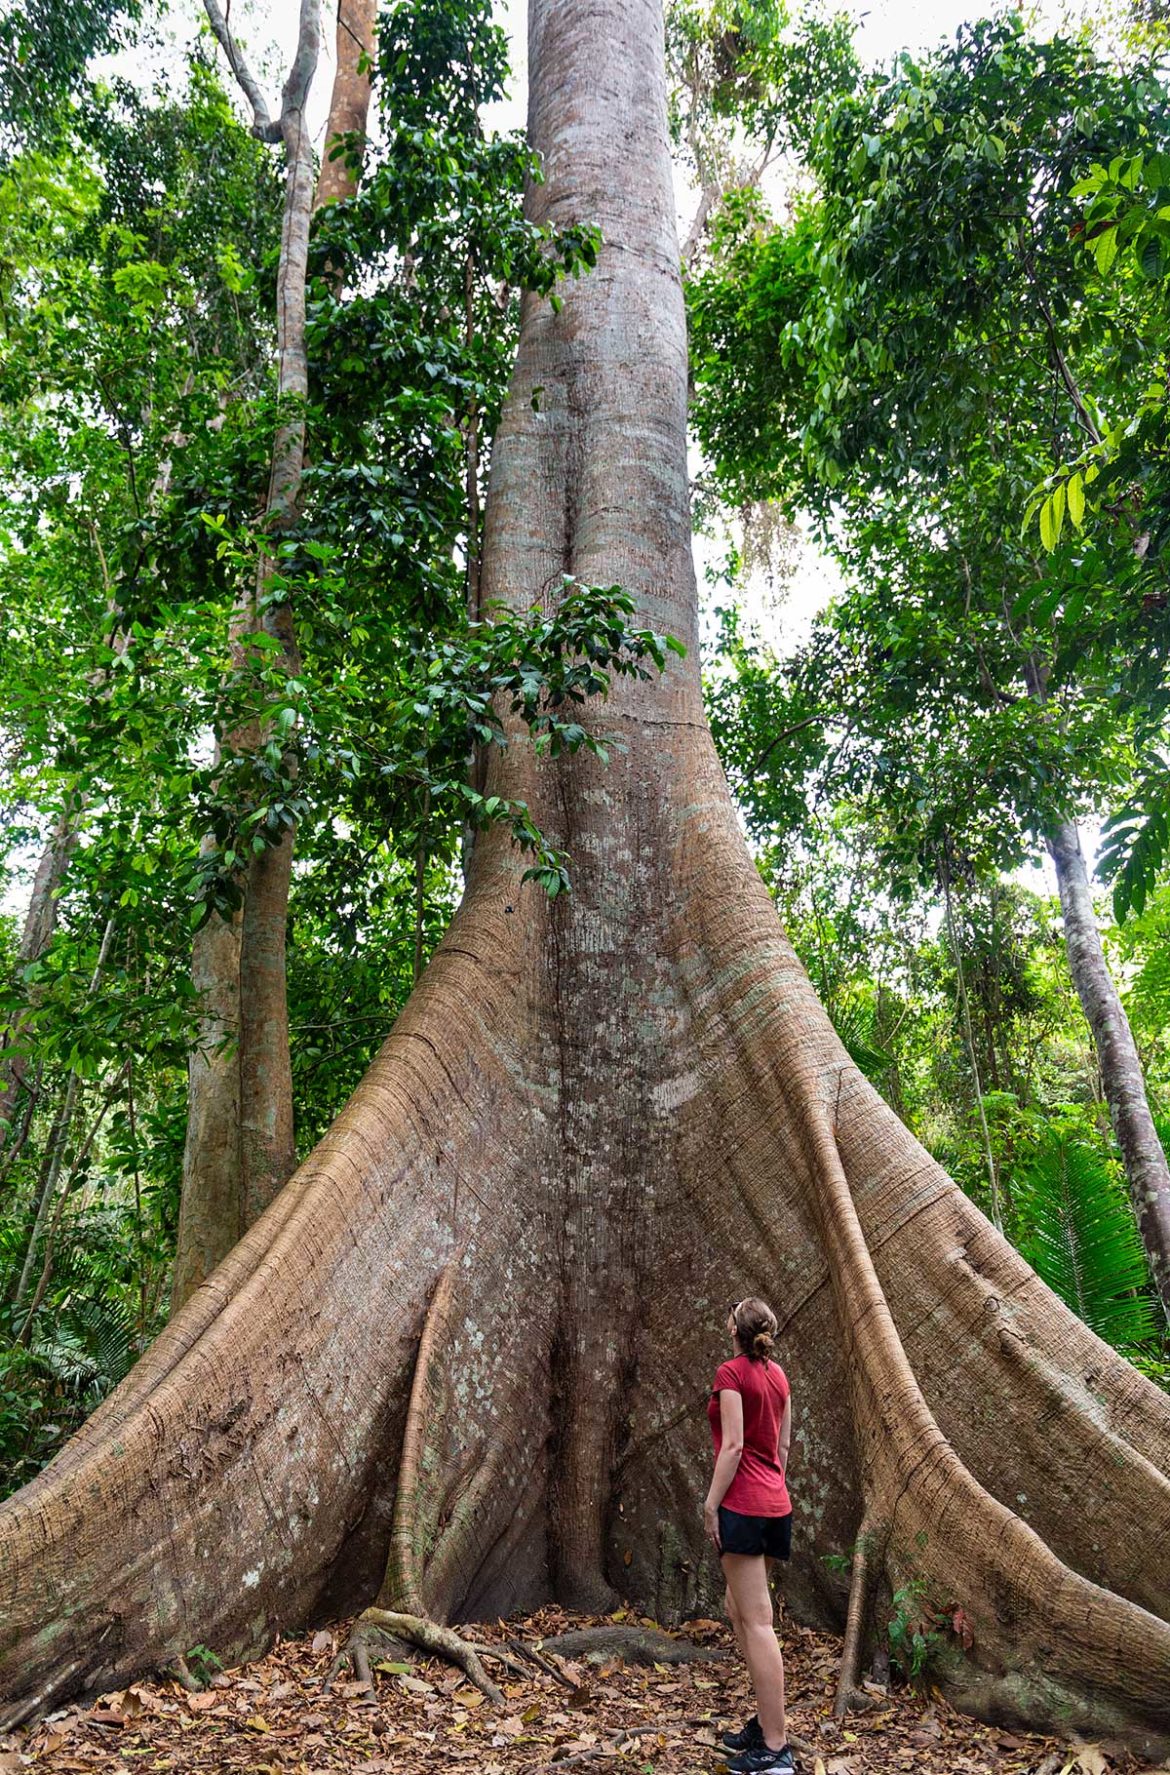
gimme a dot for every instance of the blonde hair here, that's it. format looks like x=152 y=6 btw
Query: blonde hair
x=756 y=1328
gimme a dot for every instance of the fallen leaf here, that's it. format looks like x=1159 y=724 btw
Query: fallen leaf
x=1086 y=1759
x=322 y=1642
x=257 y=1723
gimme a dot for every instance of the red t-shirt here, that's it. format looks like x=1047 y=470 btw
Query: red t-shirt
x=758 y=1488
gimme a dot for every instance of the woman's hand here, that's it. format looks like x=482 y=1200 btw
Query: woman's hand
x=711 y=1525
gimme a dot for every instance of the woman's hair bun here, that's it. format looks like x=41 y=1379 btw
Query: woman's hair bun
x=756 y=1328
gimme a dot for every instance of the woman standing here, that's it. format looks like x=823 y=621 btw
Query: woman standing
x=748 y=1517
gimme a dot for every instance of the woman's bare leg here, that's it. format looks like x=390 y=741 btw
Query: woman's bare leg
x=733 y=1616
x=750 y=1608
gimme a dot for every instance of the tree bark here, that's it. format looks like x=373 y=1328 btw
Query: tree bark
x=610 y=1110
x=240 y=1146
x=1121 y=1069
x=349 y=105
x=40 y=921
x=211 y=1202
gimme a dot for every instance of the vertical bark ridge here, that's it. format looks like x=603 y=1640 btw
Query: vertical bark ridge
x=400 y=1587
x=179 y=1466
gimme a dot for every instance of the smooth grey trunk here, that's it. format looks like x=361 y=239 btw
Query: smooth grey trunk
x=1121 y=1070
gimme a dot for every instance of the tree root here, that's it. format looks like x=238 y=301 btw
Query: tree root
x=860 y=1592
x=182 y=1673
x=428 y=1636
x=534 y=1655
x=401 y=1583
x=619 y=1739
x=633 y=1645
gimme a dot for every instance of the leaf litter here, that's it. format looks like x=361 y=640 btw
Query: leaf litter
x=273 y=1717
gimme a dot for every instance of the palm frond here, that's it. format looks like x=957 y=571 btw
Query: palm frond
x=853 y=1019
x=1082 y=1240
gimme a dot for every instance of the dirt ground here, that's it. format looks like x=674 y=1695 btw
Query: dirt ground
x=273 y=1718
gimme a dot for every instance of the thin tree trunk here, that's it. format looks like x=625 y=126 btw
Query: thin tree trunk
x=267 y=1146
x=969 y=1040
x=210 y=1205
x=240 y=1148
x=63 y=1195
x=1121 y=1071
x=40 y=921
x=609 y=1110
x=59 y=1136
x=46 y=1184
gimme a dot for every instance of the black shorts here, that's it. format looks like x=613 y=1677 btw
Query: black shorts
x=755 y=1534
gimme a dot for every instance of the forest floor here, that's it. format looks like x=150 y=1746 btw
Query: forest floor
x=273 y=1718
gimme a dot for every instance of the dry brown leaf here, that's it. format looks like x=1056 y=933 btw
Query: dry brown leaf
x=322 y=1642
x=1085 y=1759
x=204 y=1702
x=416 y=1685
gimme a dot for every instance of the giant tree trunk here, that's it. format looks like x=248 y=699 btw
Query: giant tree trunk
x=598 y=1119
x=1121 y=1069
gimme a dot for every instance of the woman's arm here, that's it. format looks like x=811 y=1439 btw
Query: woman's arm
x=785 y=1436
x=727 y=1465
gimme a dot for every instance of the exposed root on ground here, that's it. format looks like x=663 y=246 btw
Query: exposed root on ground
x=632 y=1645
x=617 y=1741
x=181 y=1671
x=537 y=1656
x=371 y=1628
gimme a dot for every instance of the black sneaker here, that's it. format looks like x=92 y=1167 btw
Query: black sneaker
x=759 y=1760
x=749 y=1736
